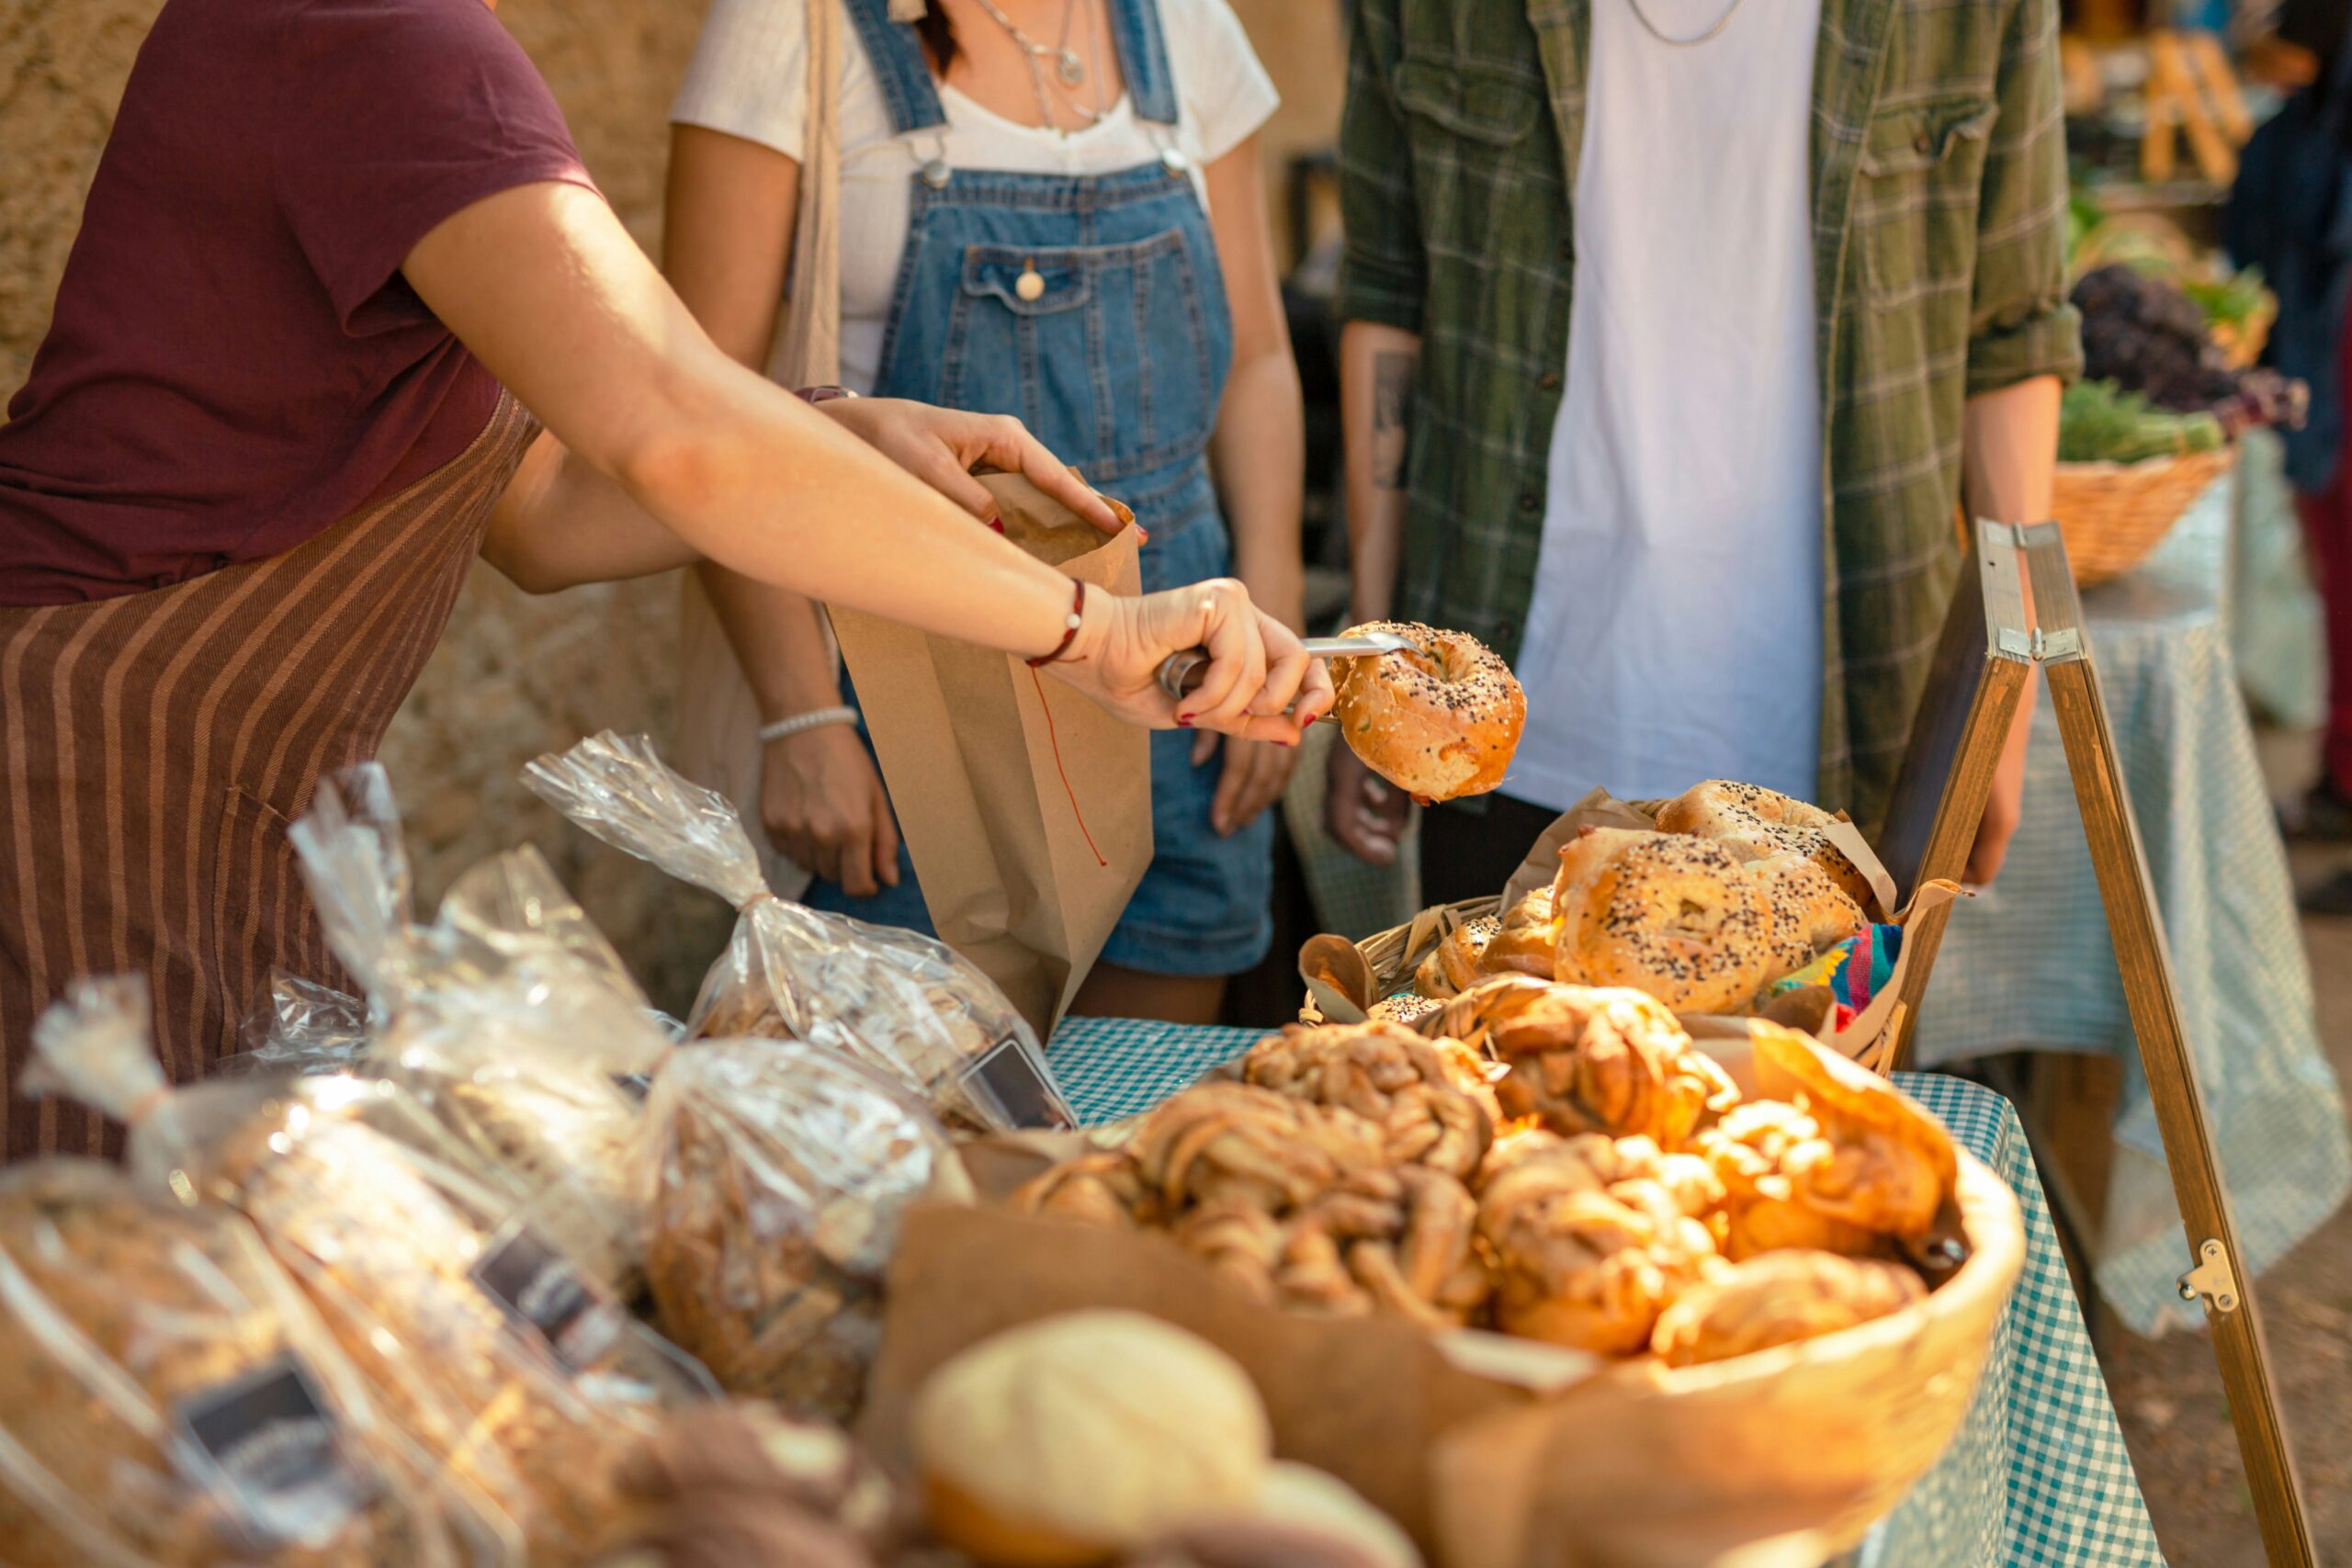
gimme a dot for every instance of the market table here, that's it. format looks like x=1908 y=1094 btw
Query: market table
x=2029 y=963
x=2038 y=1474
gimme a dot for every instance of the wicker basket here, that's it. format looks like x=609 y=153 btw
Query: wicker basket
x=1860 y=1414
x=2113 y=514
x=1392 y=954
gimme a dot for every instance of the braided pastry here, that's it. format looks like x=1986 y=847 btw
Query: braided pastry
x=1884 y=1163
x=1100 y=1189
x=1592 y=1238
x=1429 y=1097
x=1299 y=1203
x=1592 y=1061
x=1751 y=1151
x=1222 y=1141
x=1778 y=1299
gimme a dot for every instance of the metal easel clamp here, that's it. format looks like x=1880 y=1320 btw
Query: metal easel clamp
x=2211 y=1281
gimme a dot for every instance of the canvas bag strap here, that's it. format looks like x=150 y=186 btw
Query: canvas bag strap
x=808 y=348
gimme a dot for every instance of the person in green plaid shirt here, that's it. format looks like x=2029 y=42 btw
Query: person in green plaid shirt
x=1817 y=302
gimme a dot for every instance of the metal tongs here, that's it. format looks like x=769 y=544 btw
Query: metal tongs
x=1180 y=674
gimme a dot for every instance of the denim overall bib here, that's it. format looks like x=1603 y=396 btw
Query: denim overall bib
x=1093 y=308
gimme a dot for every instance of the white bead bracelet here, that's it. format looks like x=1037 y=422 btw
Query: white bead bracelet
x=816 y=718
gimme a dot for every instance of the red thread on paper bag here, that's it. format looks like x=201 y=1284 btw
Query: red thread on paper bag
x=1054 y=742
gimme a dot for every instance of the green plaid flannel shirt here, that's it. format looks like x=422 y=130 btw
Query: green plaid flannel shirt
x=1939 y=223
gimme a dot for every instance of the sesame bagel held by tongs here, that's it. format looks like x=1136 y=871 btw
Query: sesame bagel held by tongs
x=1435 y=713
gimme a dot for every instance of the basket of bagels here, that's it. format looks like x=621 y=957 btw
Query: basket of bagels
x=1729 y=900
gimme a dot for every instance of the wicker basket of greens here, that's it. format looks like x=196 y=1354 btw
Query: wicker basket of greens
x=2126 y=472
x=2151 y=429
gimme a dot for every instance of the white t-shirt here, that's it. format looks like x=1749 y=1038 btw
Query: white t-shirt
x=1676 y=630
x=749 y=78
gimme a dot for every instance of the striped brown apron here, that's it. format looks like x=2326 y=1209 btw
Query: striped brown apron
x=153 y=747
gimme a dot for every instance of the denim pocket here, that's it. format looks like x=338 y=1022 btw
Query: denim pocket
x=1113 y=356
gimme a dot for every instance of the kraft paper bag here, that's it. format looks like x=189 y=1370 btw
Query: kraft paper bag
x=1026 y=808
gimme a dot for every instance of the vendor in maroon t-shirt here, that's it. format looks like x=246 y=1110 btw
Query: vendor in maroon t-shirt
x=334 y=250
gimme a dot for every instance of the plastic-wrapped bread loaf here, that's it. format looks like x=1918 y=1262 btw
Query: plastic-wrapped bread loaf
x=168 y=1401
x=904 y=1004
x=782 y=1172
x=490 y=1346
x=510 y=1016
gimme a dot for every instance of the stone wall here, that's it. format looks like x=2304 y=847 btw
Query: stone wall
x=515 y=676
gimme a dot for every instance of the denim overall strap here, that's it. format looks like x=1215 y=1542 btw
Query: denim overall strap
x=896 y=54
x=1143 y=56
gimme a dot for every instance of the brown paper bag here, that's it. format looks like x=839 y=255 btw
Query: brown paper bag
x=1026 y=808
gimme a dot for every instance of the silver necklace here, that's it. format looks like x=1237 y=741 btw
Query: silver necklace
x=1651 y=28
x=1068 y=68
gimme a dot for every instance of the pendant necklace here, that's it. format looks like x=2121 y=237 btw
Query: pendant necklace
x=1070 y=69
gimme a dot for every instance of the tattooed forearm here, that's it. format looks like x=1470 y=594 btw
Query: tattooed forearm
x=1392 y=409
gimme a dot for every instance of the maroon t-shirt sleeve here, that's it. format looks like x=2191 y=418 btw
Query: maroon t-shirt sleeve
x=394 y=114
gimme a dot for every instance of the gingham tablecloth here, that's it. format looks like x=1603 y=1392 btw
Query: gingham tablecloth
x=2029 y=962
x=2037 y=1475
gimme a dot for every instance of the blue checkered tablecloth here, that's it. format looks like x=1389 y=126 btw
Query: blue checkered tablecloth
x=2029 y=963
x=2038 y=1474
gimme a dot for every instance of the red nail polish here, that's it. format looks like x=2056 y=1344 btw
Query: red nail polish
x=1183 y=721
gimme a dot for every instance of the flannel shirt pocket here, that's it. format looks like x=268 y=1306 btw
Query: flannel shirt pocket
x=1916 y=205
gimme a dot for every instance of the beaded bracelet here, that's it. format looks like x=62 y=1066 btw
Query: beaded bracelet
x=1070 y=629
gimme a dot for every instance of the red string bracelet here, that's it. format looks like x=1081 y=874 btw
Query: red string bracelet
x=1069 y=628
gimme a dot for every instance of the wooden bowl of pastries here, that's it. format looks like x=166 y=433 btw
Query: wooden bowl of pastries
x=1799 y=1394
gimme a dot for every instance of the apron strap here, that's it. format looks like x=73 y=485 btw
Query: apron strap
x=896 y=54
x=1143 y=56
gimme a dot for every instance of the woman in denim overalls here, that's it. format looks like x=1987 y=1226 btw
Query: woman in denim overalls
x=1083 y=291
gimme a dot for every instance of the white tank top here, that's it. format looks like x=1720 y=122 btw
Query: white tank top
x=1676 y=630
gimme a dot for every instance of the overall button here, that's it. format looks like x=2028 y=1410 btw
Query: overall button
x=1549 y=381
x=935 y=173
x=1029 y=285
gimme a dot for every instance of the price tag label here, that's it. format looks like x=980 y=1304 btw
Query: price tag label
x=274 y=1444
x=1012 y=1084
x=541 y=1290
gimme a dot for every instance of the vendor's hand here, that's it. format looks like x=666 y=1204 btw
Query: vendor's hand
x=942 y=446
x=824 y=807
x=1256 y=669
x=1363 y=812
x=1254 y=776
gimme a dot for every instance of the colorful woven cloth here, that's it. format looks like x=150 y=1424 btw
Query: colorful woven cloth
x=1855 y=970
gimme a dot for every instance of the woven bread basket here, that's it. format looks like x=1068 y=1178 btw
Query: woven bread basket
x=2113 y=514
x=1857 y=1415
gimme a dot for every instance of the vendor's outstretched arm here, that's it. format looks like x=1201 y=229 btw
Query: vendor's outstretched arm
x=544 y=285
